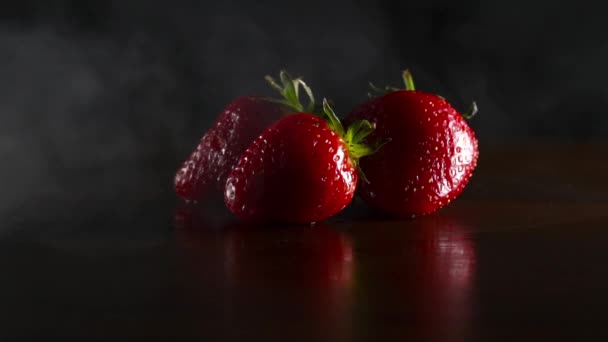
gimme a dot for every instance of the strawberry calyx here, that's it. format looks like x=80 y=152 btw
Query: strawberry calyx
x=290 y=91
x=471 y=112
x=408 y=80
x=353 y=136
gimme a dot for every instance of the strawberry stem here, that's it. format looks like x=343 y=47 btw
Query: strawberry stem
x=408 y=80
x=290 y=91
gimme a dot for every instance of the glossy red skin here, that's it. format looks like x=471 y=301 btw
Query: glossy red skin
x=204 y=173
x=297 y=171
x=430 y=157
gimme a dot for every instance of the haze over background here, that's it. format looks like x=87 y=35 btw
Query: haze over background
x=101 y=100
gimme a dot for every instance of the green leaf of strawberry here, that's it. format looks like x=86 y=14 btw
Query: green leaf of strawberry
x=290 y=91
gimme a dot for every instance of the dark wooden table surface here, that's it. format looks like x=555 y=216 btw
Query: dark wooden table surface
x=521 y=256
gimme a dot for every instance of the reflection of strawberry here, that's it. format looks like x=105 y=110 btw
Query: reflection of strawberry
x=427 y=275
x=443 y=275
x=301 y=169
x=317 y=257
x=302 y=275
x=199 y=240
x=430 y=155
x=205 y=171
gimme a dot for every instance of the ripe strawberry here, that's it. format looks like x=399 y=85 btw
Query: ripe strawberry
x=301 y=169
x=205 y=171
x=430 y=155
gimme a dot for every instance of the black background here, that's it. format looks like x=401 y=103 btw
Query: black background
x=101 y=100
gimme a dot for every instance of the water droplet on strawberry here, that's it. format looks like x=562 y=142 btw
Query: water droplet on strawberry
x=230 y=191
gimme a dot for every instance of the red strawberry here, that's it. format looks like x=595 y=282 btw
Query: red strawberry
x=205 y=171
x=430 y=155
x=301 y=169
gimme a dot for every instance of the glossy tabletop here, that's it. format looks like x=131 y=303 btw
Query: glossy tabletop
x=521 y=256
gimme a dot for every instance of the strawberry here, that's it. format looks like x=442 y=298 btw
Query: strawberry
x=301 y=169
x=430 y=153
x=204 y=172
